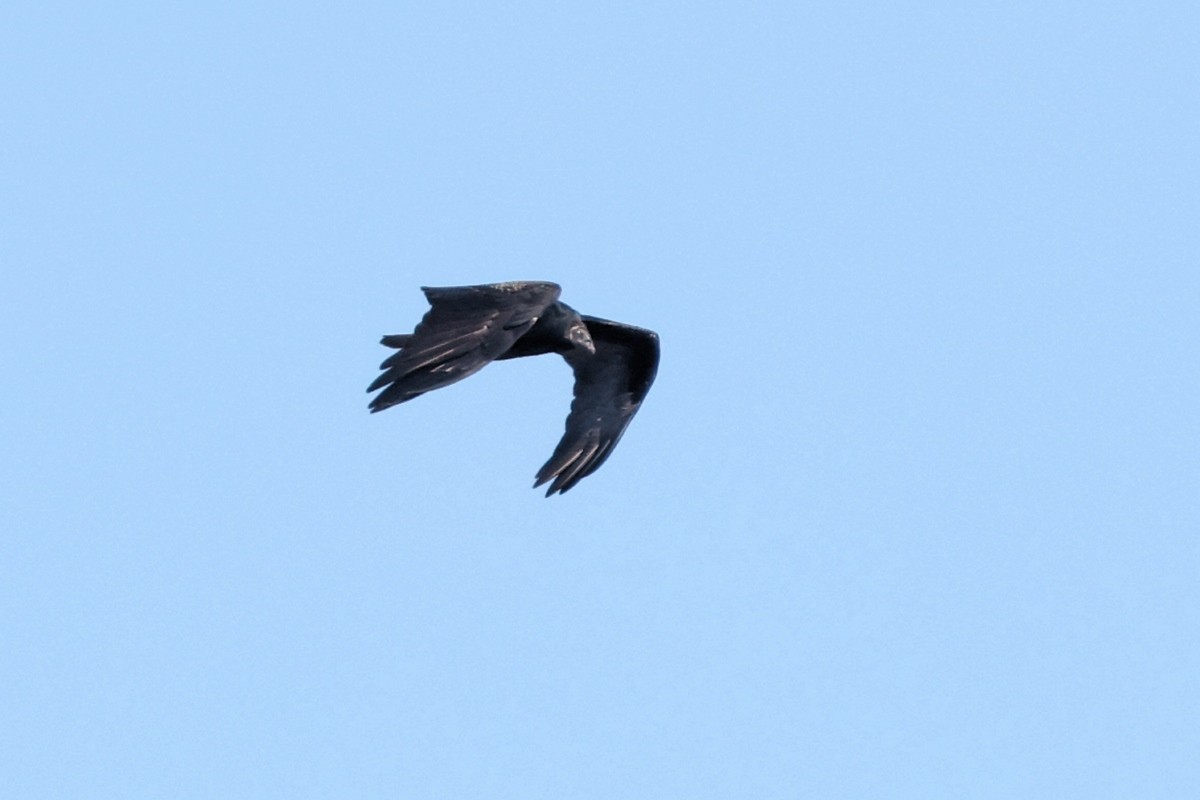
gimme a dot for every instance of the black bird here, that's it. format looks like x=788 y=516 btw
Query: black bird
x=468 y=327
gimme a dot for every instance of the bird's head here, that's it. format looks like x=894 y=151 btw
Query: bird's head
x=579 y=336
x=565 y=325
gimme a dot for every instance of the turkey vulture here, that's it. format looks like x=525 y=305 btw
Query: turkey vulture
x=468 y=327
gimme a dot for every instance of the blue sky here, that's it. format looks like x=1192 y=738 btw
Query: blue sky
x=911 y=511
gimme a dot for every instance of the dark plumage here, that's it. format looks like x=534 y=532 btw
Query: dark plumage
x=468 y=327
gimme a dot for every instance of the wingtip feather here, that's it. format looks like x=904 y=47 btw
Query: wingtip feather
x=395 y=340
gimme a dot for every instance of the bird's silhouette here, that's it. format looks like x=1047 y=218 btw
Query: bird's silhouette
x=468 y=327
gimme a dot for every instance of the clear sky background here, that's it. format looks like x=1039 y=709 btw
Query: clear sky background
x=911 y=512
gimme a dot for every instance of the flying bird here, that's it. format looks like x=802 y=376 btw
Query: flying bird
x=468 y=327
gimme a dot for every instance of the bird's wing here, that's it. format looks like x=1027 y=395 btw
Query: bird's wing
x=466 y=328
x=609 y=388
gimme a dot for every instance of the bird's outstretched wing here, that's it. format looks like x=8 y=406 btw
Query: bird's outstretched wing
x=466 y=328
x=609 y=388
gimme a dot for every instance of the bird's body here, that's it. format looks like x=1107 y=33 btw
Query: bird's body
x=468 y=327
